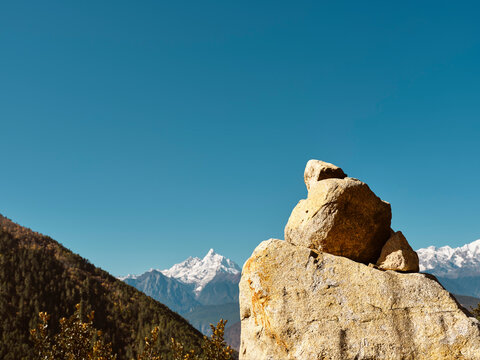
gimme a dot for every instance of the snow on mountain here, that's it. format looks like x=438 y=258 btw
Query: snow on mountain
x=451 y=263
x=202 y=271
x=128 y=277
x=194 y=282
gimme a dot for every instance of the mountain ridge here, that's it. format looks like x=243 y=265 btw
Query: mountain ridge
x=211 y=280
x=203 y=290
x=200 y=272
x=457 y=269
x=451 y=262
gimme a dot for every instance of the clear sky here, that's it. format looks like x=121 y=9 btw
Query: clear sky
x=138 y=133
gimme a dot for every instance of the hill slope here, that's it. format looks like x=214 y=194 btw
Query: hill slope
x=39 y=274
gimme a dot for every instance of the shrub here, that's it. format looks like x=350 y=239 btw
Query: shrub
x=79 y=340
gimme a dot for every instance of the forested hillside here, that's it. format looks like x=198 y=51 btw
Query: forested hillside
x=38 y=274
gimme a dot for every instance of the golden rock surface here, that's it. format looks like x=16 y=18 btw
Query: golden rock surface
x=297 y=303
x=342 y=217
x=397 y=254
x=317 y=170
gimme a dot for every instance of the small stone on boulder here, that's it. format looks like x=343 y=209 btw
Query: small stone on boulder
x=398 y=255
x=317 y=170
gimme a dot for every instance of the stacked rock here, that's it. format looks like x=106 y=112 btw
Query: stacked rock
x=329 y=292
x=342 y=216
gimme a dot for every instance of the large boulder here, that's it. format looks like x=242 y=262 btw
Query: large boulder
x=342 y=217
x=398 y=255
x=297 y=303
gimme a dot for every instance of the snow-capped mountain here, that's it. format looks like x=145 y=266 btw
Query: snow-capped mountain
x=451 y=262
x=176 y=295
x=202 y=271
x=194 y=282
x=458 y=269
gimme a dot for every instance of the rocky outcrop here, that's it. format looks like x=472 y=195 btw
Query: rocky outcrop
x=342 y=217
x=296 y=303
x=300 y=300
x=397 y=254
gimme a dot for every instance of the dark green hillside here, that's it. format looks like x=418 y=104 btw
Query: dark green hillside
x=39 y=274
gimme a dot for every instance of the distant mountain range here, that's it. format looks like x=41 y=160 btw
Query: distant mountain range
x=458 y=269
x=202 y=290
x=203 y=272
x=194 y=282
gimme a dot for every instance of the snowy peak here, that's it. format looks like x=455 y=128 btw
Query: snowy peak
x=201 y=271
x=212 y=280
x=473 y=249
x=129 y=276
x=451 y=262
x=211 y=252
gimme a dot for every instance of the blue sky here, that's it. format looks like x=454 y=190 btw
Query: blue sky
x=140 y=133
